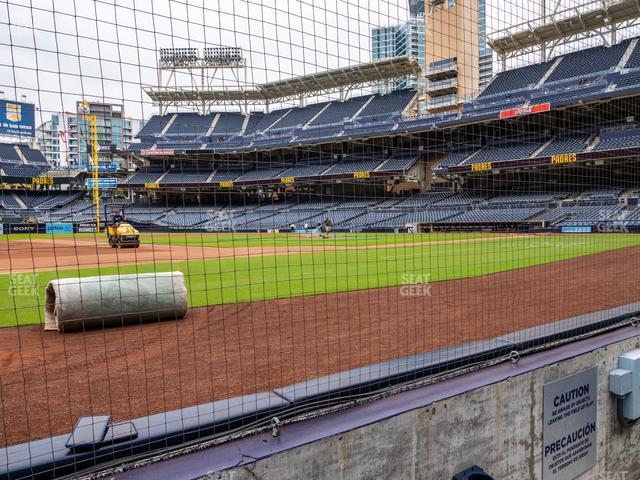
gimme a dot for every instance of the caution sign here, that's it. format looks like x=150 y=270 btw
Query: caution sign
x=569 y=431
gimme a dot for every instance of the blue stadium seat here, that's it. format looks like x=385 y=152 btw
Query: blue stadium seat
x=300 y=116
x=260 y=174
x=8 y=201
x=226 y=175
x=510 y=150
x=21 y=171
x=186 y=219
x=305 y=170
x=385 y=105
x=569 y=94
x=461 y=199
x=32 y=156
x=565 y=144
x=402 y=161
x=137 y=147
x=589 y=61
x=228 y=124
x=8 y=153
x=584 y=214
x=526 y=198
x=318 y=133
x=185 y=176
x=496 y=215
x=353 y=130
x=190 y=125
x=621 y=141
x=634 y=59
x=154 y=126
x=628 y=81
x=422 y=200
x=516 y=79
x=179 y=145
x=259 y=122
x=601 y=193
x=337 y=112
x=454 y=158
x=351 y=165
x=144 y=175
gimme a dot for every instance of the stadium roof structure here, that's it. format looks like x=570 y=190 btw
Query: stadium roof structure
x=340 y=79
x=336 y=80
x=593 y=18
x=202 y=94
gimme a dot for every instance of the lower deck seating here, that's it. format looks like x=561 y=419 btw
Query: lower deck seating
x=587 y=207
x=496 y=215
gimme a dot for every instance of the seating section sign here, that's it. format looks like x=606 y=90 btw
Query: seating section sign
x=570 y=425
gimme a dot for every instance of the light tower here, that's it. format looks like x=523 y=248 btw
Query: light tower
x=201 y=71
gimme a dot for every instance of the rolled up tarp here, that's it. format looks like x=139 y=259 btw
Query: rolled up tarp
x=114 y=300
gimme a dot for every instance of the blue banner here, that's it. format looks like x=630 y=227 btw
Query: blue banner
x=17 y=118
x=103 y=167
x=103 y=183
x=59 y=228
x=577 y=229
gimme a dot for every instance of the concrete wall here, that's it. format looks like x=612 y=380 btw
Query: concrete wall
x=498 y=427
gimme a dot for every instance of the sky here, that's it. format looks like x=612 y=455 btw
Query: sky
x=55 y=52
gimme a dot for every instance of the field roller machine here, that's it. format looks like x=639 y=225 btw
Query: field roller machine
x=121 y=234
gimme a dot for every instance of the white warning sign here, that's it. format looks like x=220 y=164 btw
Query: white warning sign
x=570 y=425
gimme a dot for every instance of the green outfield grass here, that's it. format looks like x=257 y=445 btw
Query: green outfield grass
x=231 y=280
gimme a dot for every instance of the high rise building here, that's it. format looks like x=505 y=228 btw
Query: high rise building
x=407 y=39
x=64 y=138
x=51 y=140
x=112 y=127
x=485 y=53
x=410 y=38
x=459 y=61
x=416 y=8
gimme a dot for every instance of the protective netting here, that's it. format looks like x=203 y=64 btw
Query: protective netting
x=357 y=195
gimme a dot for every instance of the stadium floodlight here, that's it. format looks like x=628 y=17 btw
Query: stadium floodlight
x=223 y=56
x=178 y=57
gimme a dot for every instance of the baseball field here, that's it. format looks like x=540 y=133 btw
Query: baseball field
x=269 y=310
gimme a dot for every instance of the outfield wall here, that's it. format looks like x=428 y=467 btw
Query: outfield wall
x=492 y=418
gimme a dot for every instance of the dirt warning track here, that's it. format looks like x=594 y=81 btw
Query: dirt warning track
x=48 y=380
